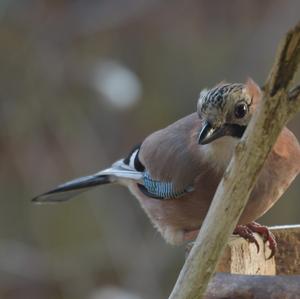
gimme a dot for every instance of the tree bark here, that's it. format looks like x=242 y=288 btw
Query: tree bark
x=224 y=285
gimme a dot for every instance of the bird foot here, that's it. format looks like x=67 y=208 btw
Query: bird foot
x=267 y=236
x=246 y=232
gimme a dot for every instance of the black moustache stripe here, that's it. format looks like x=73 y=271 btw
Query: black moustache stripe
x=236 y=130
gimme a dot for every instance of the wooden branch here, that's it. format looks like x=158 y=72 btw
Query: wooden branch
x=225 y=285
x=241 y=257
x=286 y=62
x=231 y=196
x=288 y=254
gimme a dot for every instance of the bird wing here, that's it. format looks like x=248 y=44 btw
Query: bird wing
x=172 y=154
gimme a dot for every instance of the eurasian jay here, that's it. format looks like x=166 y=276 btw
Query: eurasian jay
x=175 y=171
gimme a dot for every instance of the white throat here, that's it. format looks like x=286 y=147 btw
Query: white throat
x=219 y=152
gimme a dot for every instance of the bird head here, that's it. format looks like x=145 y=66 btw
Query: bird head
x=226 y=109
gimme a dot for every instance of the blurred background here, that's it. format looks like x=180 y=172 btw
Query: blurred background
x=83 y=81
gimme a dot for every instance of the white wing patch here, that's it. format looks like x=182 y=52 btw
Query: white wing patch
x=132 y=158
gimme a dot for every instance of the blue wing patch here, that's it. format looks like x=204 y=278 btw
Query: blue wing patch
x=162 y=190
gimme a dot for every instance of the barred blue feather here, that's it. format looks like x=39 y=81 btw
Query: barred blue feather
x=162 y=190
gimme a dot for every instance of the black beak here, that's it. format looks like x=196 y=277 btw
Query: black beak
x=210 y=133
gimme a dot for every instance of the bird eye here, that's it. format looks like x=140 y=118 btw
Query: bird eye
x=240 y=110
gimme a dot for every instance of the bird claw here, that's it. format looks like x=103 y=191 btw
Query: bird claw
x=266 y=234
x=245 y=232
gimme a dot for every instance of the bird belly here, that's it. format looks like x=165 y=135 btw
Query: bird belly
x=173 y=217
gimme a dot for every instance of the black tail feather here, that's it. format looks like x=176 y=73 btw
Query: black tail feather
x=72 y=188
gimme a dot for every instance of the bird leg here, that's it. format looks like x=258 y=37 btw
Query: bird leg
x=246 y=232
